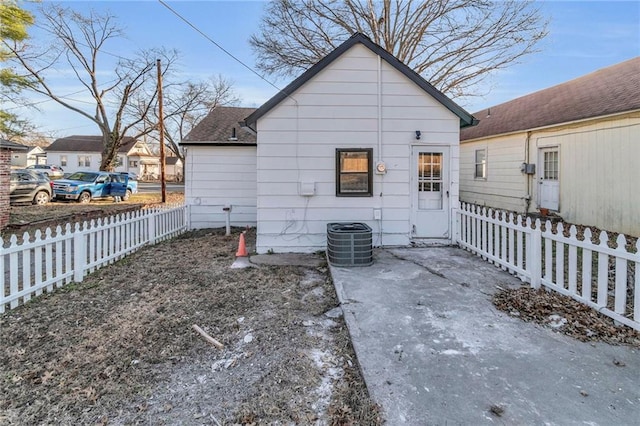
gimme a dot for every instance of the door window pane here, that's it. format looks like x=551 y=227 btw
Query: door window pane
x=429 y=171
x=551 y=165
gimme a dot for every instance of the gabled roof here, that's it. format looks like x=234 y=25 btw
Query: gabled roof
x=171 y=161
x=611 y=90
x=219 y=128
x=5 y=144
x=466 y=119
x=78 y=143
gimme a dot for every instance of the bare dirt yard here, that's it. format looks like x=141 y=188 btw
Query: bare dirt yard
x=28 y=217
x=120 y=347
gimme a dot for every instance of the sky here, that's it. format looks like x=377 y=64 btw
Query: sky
x=584 y=36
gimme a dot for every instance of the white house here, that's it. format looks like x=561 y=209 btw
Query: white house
x=173 y=169
x=78 y=153
x=220 y=171
x=34 y=155
x=359 y=137
x=572 y=149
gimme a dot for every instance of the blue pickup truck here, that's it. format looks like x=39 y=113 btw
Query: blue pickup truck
x=86 y=186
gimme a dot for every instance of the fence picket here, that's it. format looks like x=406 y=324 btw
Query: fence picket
x=58 y=259
x=573 y=261
x=26 y=267
x=587 y=268
x=603 y=271
x=37 y=261
x=511 y=240
x=519 y=248
x=636 y=297
x=45 y=262
x=503 y=245
x=13 y=270
x=2 y=274
x=620 y=301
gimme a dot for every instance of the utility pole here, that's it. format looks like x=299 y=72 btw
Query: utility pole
x=163 y=184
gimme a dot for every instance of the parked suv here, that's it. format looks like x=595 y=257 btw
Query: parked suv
x=29 y=186
x=86 y=186
x=53 y=171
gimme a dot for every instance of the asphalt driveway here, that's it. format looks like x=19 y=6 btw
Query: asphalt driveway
x=435 y=351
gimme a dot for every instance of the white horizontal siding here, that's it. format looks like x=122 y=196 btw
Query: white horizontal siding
x=338 y=108
x=599 y=173
x=505 y=186
x=219 y=176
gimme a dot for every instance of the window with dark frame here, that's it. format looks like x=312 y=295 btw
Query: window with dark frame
x=481 y=164
x=354 y=172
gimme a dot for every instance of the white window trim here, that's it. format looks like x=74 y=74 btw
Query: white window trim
x=483 y=164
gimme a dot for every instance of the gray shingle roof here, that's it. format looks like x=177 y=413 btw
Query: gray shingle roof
x=610 y=90
x=218 y=128
x=5 y=144
x=79 y=143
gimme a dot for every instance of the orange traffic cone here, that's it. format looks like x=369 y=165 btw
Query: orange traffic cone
x=242 y=249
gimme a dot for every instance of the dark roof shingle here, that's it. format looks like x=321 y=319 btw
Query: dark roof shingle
x=218 y=128
x=610 y=90
x=79 y=143
x=6 y=144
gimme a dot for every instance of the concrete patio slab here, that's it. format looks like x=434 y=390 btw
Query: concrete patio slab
x=435 y=351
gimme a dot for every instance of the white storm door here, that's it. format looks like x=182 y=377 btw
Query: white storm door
x=430 y=192
x=549 y=178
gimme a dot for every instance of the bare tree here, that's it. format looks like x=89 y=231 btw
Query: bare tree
x=14 y=23
x=453 y=44
x=79 y=42
x=186 y=104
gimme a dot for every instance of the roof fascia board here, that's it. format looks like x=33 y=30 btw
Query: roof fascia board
x=196 y=143
x=551 y=126
x=466 y=119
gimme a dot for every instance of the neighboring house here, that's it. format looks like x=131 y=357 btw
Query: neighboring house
x=572 y=149
x=173 y=169
x=34 y=155
x=221 y=170
x=83 y=153
x=359 y=137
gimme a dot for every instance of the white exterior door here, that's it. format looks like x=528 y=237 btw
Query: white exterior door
x=430 y=192
x=549 y=178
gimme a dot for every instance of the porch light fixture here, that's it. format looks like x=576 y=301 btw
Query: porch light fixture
x=418 y=134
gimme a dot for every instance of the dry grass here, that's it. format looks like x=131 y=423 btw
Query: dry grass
x=29 y=217
x=119 y=347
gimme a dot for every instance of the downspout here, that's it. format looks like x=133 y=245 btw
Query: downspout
x=380 y=144
x=528 y=186
x=379 y=109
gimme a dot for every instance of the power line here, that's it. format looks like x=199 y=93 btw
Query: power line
x=186 y=21
x=30 y=104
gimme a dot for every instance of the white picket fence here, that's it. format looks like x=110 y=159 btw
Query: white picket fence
x=605 y=278
x=37 y=263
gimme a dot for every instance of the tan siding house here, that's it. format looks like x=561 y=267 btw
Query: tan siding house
x=572 y=149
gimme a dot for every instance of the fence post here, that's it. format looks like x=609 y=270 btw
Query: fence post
x=79 y=254
x=151 y=223
x=534 y=256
